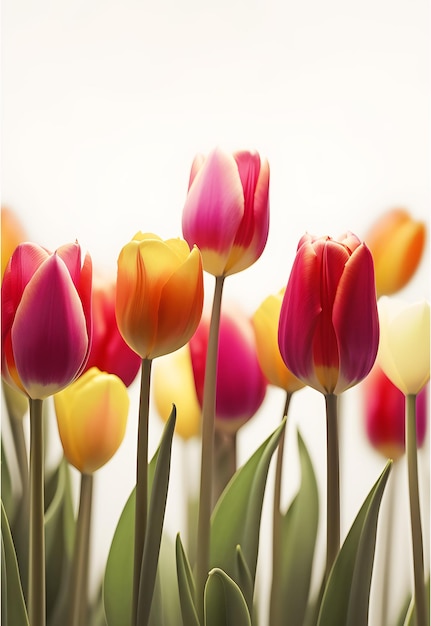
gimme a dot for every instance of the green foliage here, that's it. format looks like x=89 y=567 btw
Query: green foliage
x=14 y=612
x=224 y=604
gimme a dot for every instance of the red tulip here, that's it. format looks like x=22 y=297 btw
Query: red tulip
x=226 y=213
x=46 y=318
x=109 y=352
x=329 y=331
x=241 y=385
x=385 y=407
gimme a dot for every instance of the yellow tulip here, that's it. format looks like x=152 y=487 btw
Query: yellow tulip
x=12 y=234
x=173 y=383
x=159 y=294
x=91 y=417
x=404 y=350
x=265 y=323
x=396 y=242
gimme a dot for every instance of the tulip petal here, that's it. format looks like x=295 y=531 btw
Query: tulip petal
x=49 y=334
x=214 y=209
x=355 y=319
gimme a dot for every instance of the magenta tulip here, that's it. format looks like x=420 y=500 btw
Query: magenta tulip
x=46 y=318
x=226 y=213
x=329 y=329
x=241 y=385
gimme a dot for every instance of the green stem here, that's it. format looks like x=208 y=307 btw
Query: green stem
x=79 y=593
x=276 y=618
x=415 y=513
x=207 y=459
x=332 y=482
x=36 y=594
x=141 y=481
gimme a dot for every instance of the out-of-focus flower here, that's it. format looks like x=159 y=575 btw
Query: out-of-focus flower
x=241 y=385
x=91 y=416
x=329 y=328
x=226 y=213
x=404 y=350
x=16 y=401
x=265 y=322
x=159 y=294
x=46 y=318
x=12 y=234
x=109 y=352
x=385 y=407
x=396 y=242
x=173 y=383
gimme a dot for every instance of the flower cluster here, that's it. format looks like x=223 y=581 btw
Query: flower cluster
x=333 y=326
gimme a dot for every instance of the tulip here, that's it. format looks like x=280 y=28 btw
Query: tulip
x=241 y=386
x=159 y=294
x=404 y=351
x=265 y=323
x=12 y=234
x=46 y=318
x=109 y=352
x=329 y=329
x=396 y=242
x=91 y=418
x=385 y=414
x=173 y=383
x=226 y=213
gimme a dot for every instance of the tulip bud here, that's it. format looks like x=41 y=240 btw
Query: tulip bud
x=46 y=318
x=109 y=352
x=404 y=350
x=226 y=213
x=265 y=323
x=241 y=386
x=396 y=242
x=91 y=417
x=329 y=331
x=173 y=383
x=159 y=294
x=385 y=409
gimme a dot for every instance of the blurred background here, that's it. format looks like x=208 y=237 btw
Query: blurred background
x=105 y=104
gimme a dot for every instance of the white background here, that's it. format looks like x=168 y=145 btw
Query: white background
x=104 y=105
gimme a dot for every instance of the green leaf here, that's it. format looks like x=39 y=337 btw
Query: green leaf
x=346 y=596
x=186 y=586
x=298 y=540
x=168 y=583
x=13 y=598
x=118 y=580
x=236 y=518
x=410 y=613
x=224 y=604
x=245 y=581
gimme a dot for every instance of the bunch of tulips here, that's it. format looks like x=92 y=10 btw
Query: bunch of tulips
x=334 y=324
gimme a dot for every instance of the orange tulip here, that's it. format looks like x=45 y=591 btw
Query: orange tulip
x=396 y=242
x=91 y=417
x=159 y=294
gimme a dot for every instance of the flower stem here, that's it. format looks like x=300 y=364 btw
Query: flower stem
x=332 y=482
x=36 y=593
x=415 y=514
x=207 y=459
x=275 y=610
x=141 y=480
x=78 y=593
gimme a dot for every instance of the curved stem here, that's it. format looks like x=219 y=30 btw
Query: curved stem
x=415 y=513
x=141 y=480
x=275 y=615
x=207 y=458
x=78 y=594
x=332 y=482
x=36 y=593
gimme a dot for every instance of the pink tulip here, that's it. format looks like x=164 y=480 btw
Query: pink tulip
x=241 y=385
x=109 y=352
x=329 y=330
x=226 y=213
x=385 y=407
x=46 y=318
